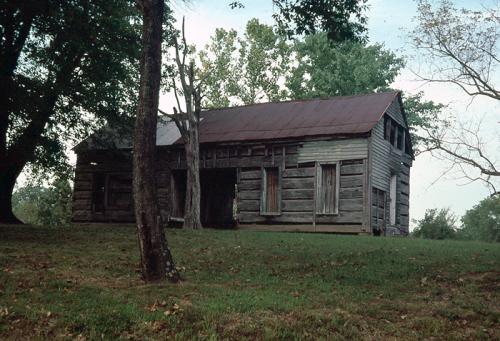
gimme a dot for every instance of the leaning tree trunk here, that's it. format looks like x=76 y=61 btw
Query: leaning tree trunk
x=193 y=187
x=7 y=183
x=156 y=259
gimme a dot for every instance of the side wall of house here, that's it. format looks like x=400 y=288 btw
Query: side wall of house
x=108 y=174
x=298 y=187
x=386 y=161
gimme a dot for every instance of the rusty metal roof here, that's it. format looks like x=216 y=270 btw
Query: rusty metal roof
x=343 y=115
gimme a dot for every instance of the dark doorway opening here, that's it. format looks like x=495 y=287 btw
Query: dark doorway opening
x=178 y=194
x=217 y=197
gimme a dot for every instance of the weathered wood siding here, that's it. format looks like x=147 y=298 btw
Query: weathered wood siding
x=404 y=198
x=382 y=158
x=228 y=156
x=394 y=110
x=116 y=167
x=333 y=151
x=298 y=191
x=387 y=160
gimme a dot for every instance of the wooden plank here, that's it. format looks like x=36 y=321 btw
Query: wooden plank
x=248 y=194
x=298 y=183
x=366 y=191
x=297 y=206
x=404 y=188
x=404 y=209
x=302 y=228
x=83 y=186
x=82 y=195
x=297 y=194
x=105 y=167
x=302 y=217
x=81 y=215
x=83 y=176
x=250 y=217
x=250 y=175
x=342 y=217
x=249 y=205
x=243 y=162
x=405 y=221
x=351 y=193
x=352 y=169
x=249 y=185
x=349 y=205
x=302 y=172
x=351 y=181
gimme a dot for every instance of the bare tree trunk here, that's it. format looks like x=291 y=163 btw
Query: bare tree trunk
x=156 y=259
x=7 y=183
x=193 y=187
x=188 y=123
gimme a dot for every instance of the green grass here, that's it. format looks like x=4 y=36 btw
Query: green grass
x=84 y=283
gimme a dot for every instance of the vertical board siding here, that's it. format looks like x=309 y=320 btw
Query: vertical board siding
x=381 y=155
x=327 y=189
x=404 y=198
x=394 y=110
x=271 y=195
x=387 y=160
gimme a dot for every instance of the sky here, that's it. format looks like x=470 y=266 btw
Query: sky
x=388 y=23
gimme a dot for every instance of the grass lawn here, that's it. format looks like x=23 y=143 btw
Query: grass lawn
x=84 y=283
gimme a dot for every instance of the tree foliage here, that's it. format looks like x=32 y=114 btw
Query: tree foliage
x=324 y=68
x=436 y=224
x=244 y=70
x=482 y=222
x=341 y=20
x=79 y=61
x=264 y=66
x=425 y=119
x=66 y=67
x=44 y=205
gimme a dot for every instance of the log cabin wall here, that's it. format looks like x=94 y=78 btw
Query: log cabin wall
x=298 y=197
x=298 y=164
x=103 y=187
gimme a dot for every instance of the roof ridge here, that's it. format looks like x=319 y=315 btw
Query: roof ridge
x=303 y=100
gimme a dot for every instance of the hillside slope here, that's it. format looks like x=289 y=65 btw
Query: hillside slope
x=84 y=282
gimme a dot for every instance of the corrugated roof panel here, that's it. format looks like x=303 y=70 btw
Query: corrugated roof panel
x=331 y=116
x=292 y=119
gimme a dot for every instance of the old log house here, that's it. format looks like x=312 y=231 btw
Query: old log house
x=338 y=164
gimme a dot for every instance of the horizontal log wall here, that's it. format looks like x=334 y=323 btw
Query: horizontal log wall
x=298 y=196
x=238 y=156
x=115 y=163
x=333 y=150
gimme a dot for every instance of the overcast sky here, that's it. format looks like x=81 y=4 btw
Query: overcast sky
x=388 y=21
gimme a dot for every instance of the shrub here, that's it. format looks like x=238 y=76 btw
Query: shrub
x=40 y=205
x=436 y=225
x=482 y=222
